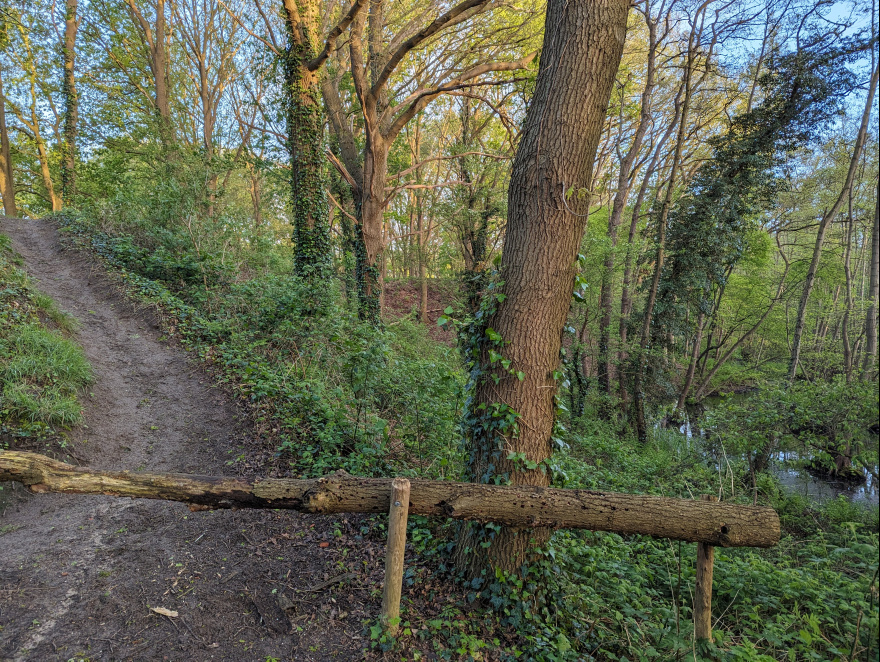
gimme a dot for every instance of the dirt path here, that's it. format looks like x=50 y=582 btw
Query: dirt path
x=78 y=575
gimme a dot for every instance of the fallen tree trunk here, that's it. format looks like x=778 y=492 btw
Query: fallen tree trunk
x=718 y=524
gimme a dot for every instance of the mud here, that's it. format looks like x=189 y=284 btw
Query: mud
x=79 y=575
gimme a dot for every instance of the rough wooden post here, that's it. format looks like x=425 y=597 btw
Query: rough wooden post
x=703 y=592
x=397 y=515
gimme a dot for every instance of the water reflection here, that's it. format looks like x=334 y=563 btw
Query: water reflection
x=787 y=466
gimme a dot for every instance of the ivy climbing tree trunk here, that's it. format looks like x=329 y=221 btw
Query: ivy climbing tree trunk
x=305 y=129
x=71 y=106
x=305 y=142
x=512 y=415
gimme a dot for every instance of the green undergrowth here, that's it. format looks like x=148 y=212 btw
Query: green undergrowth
x=330 y=392
x=41 y=370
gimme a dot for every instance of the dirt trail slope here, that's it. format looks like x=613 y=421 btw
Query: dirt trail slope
x=80 y=574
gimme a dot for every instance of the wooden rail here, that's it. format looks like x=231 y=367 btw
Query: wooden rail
x=706 y=521
x=717 y=524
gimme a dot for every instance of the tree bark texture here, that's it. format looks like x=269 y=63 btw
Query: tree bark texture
x=7 y=181
x=583 y=44
x=823 y=227
x=71 y=106
x=719 y=524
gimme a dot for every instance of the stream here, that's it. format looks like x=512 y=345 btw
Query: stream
x=788 y=468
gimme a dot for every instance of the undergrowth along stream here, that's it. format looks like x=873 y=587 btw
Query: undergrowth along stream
x=330 y=392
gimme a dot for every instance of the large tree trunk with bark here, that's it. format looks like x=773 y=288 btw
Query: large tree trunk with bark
x=371 y=213
x=305 y=145
x=512 y=416
x=720 y=524
x=7 y=182
x=823 y=228
x=71 y=106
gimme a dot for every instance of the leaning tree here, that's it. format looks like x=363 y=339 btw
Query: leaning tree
x=515 y=351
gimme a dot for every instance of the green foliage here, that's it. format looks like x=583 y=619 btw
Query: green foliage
x=716 y=219
x=630 y=598
x=809 y=417
x=41 y=371
x=333 y=391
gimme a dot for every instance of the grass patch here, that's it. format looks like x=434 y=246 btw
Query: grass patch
x=41 y=371
x=64 y=321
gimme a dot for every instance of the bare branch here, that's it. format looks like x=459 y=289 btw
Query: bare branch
x=333 y=35
x=500 y=157
x=429 y=31
x=340 y=208
x=419 y=100
x=343 y=172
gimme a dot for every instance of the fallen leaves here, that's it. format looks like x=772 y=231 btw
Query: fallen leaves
x=170 y=613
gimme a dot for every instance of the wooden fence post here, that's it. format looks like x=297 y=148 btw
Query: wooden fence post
x=397 y=515
x=703 y=592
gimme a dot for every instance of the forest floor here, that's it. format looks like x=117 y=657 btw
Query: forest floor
x=79 y=575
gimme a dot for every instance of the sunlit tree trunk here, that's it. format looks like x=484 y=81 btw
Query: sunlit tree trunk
x=583 y=44
x=71 y=106
x=155 y=40
x=7 y=181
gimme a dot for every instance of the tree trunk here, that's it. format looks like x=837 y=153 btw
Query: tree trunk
x=848 y=302
x=423 y=266
x=154 y=40
x=644 y=339
x=692 y=364
x=371 y=212
x=823 y=227
x=43 y=157
x=512 y=416
x=870 y=359
x=624 y=182
x=720 y=524
x=255 y=188
x=7 y=182
x=305 y=145
x=71 y=106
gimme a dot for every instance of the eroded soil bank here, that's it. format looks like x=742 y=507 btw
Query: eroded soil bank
x=80 y=574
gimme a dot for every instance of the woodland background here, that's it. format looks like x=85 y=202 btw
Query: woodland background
x=320 y=209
